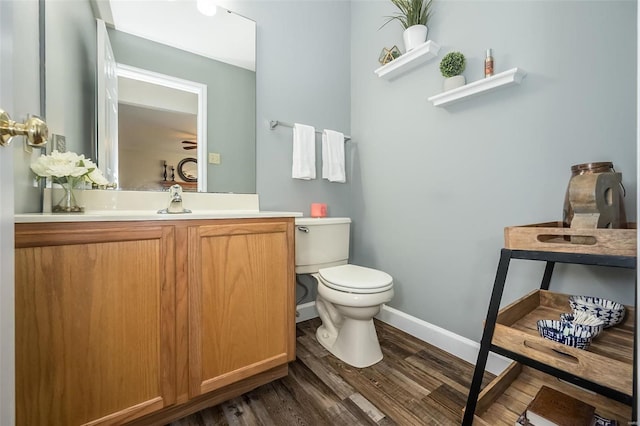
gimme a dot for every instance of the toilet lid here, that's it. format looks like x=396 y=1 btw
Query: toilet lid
x=356 y=279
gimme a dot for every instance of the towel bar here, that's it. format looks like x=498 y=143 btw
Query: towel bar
x=275 y=123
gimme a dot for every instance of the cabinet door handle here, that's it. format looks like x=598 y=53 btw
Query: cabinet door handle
x=303 y=229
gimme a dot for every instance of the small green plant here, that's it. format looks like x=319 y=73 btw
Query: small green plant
x=412 y=12
x=452 y=64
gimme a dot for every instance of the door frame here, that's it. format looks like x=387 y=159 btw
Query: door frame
x=199 y=89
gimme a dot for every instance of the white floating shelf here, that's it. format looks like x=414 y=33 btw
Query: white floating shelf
x=408 y=61
x=503 y=79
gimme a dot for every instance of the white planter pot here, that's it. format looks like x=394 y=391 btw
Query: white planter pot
x=414 y=36
x=453 y=82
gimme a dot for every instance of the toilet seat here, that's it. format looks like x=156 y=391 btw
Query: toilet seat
x=356 y=279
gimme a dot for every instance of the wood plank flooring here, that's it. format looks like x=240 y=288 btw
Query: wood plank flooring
x=415 y=384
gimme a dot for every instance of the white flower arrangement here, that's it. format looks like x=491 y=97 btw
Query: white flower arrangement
x=67 y=168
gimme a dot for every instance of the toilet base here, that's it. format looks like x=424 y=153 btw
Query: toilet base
x=356 y=342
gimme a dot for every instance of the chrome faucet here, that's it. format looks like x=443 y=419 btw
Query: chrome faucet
x=175 y=201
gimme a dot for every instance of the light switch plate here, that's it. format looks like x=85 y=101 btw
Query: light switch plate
x=214 y=158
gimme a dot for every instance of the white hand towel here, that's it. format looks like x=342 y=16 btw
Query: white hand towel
x=304 y=152
x=333 y=156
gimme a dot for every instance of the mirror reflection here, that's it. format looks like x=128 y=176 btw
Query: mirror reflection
x=157 y=129
x=154 y=135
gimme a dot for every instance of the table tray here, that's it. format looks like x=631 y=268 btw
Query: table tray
x=551 y=236
x=608 y=361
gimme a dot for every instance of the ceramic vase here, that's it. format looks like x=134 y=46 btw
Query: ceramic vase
x=453 y=82
x=414 y=36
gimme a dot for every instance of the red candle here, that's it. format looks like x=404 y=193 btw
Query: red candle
x=318 y=210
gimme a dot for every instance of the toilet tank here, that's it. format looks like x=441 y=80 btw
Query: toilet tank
x=321 y=243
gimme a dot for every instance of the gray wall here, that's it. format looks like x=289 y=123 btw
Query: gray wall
x=303 y=76
x=433 y=188
x=231 y=93
x=71 y=74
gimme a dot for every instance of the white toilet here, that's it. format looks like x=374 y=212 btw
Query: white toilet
x=349 y=296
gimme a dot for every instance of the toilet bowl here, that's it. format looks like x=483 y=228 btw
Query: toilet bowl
x=349 y=296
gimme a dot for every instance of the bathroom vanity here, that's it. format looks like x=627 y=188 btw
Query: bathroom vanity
x=124 y=319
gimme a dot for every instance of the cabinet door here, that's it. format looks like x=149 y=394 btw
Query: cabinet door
x=241 y=308
x=95 y=322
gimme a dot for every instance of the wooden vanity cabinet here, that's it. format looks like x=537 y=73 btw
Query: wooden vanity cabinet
x=145 y=322
x=239 y=309
x=95 y=322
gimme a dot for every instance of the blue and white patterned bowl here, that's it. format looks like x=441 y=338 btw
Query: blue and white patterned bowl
x=610 y=312
x=593 y=324
x=565 y=332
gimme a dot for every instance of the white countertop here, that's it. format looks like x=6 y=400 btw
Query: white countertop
x=140 y=215
x=117 y=205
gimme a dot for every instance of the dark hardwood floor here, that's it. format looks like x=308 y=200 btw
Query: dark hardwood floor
x=415 y=384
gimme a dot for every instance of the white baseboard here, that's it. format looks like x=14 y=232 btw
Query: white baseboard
x=455 y=344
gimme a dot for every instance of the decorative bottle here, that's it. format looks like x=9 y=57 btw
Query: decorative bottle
x=488 y=64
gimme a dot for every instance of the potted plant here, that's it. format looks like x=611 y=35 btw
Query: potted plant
x=413 y=15
x=451 y=67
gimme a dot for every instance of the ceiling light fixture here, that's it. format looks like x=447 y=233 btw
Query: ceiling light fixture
x=207 y=7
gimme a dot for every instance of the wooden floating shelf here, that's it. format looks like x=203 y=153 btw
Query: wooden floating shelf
x=503 y=79
x=421 y=54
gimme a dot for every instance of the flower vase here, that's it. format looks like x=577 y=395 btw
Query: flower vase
x=67 y=197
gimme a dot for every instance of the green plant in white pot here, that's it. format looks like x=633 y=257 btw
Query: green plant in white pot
x=451 y=66
x=413 y=15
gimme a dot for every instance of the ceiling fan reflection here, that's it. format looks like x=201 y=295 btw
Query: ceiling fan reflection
x=190 y=145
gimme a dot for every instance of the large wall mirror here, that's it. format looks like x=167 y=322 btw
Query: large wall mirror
x=183 y=92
